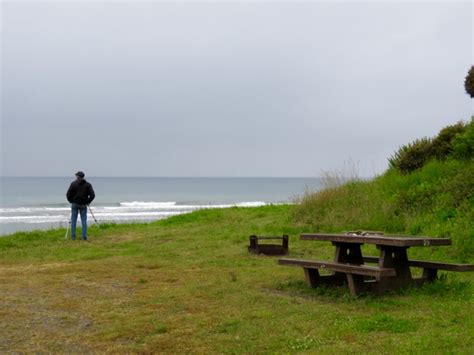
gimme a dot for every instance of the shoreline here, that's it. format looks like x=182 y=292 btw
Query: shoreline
x=91 y=224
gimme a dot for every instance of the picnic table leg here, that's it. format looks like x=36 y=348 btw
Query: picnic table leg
x=430 y=274
x=348 y=253
x=314 y=279
x=355 y=283
x=345 y=253
x=396 y=258
x=352 y=254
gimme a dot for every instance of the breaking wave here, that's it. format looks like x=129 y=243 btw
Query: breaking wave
x=121 y=212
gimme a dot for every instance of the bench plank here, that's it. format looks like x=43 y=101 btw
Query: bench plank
x=340 y=267
x=398 y=241
x=429 y=264
x=441 y=266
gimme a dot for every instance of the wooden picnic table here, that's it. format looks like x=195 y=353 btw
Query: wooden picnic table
x=392 y=269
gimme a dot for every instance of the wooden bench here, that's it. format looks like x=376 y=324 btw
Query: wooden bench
x=430 y=268
x=268 y=249
x=343 y=272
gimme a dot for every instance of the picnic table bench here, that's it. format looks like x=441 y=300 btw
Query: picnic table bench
x=392 y=269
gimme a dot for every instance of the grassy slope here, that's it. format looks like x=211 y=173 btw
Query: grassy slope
x=187 y=284
x=437 y=200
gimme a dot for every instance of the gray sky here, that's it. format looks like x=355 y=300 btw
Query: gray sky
x=235 y=89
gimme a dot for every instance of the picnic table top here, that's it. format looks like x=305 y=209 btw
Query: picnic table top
x=386 y=240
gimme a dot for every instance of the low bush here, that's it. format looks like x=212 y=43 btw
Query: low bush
x=463 y=144
x=442 y=144
x=469 y=82
x=452 y=141
x=412 y=156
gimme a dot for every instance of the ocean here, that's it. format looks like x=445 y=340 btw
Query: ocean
x=28 y=203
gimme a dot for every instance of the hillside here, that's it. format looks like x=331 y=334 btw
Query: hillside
x=437 y=200
x=429 y=190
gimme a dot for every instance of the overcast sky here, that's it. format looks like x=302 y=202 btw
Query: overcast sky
x=235 y=89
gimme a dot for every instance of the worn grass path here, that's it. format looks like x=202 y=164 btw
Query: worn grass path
x=188 y=285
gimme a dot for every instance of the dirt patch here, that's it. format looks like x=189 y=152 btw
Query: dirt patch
x=8 y=270
x=67 y=302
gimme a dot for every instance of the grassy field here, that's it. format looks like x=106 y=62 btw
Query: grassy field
x=188 y=285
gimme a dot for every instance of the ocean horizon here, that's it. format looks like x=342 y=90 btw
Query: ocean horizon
x=39 y=203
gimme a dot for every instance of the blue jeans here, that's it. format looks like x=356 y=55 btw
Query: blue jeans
x=75 y=209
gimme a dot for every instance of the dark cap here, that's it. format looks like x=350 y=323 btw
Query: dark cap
x=80 y=174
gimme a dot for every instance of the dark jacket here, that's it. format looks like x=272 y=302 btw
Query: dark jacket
x=80 y=192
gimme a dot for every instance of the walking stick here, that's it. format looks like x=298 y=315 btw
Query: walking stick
x=67 y=229
x=90 y=210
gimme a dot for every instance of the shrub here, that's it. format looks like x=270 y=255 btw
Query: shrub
x=456 y=140
x=469 y=82
x=412 y=156
x=463 y=143
x=443 y=142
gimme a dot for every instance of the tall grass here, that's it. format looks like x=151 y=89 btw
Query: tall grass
x=334 y=178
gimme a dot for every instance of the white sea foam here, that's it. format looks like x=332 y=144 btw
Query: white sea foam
x=101 y=216
x=250 y=204
x=174 y=206
x=32 y=219
x=141 y=214
x=141 y=204
x=125 y=211
x=33 y=209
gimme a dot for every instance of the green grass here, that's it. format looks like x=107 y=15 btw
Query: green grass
x=188 y=285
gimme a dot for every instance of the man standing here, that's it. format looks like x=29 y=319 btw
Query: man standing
x=79 y=194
